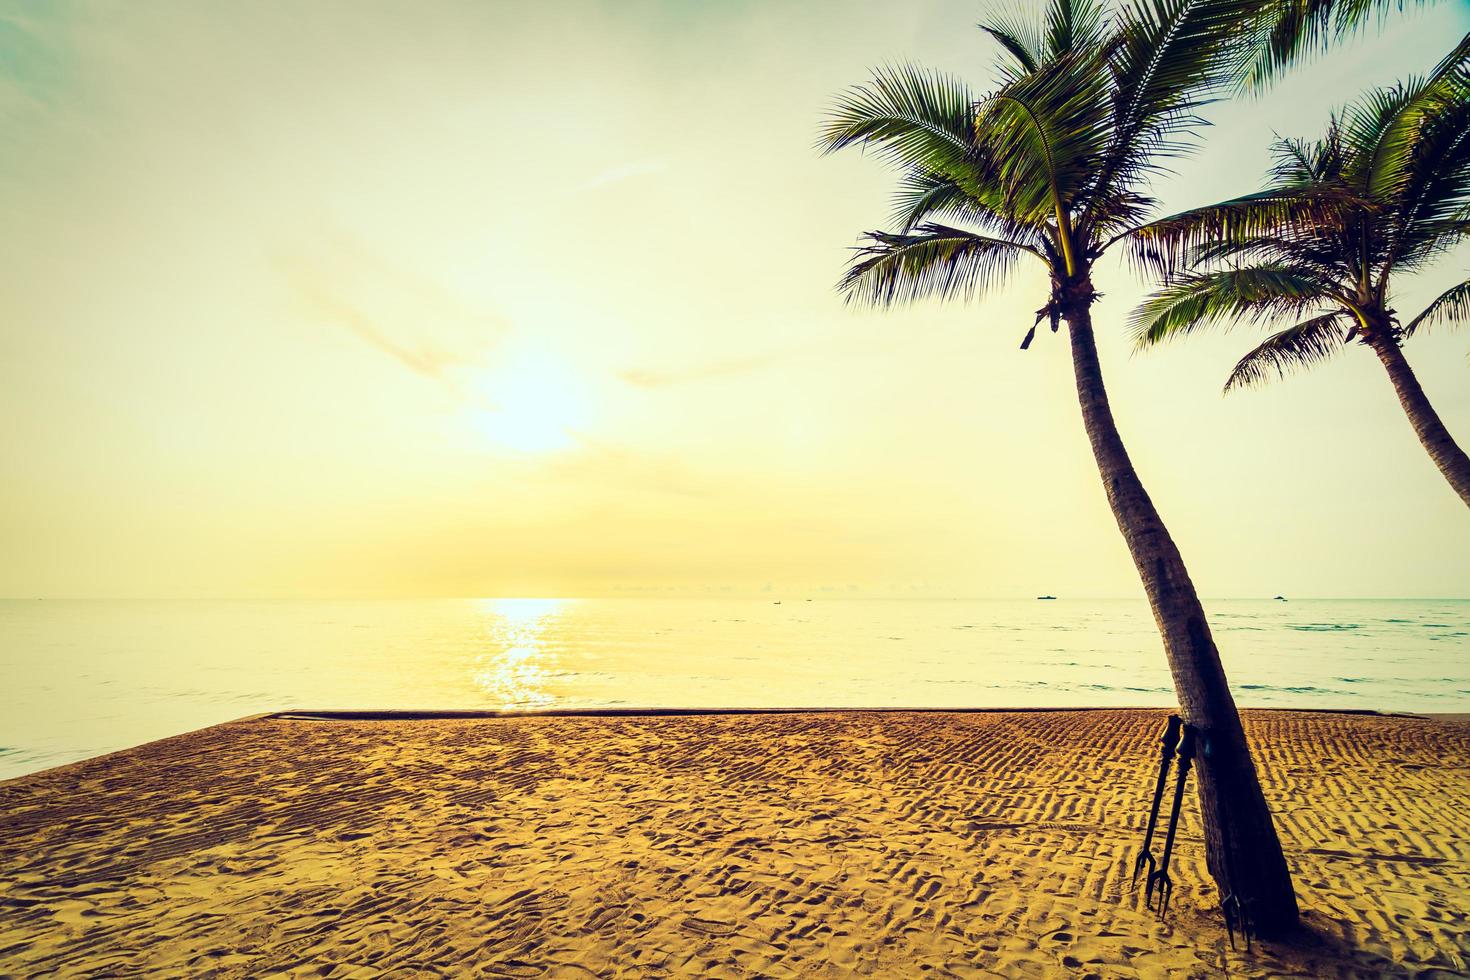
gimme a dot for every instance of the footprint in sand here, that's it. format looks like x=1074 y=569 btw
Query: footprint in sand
x=1061 y=937
x=709 y=927
x=515 y=968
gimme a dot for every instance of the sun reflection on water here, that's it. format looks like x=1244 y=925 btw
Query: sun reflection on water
x=516 y=670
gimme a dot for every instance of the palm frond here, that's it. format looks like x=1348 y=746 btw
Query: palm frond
x=919 y=119
x=1111 y=216
x=934 y=261
x=1197 y=300
x=1286 y=31
x=1171 y=53
x=1302 y=163
x=1431 y=186
x=1072 y=25
x=1377 y=131
x=1293 y=349
x=1173 y=57
x=1013 y=38
x=1451 y=305
x=1046 y=132
x=1318 y=253
x=1384 y=127
x=923 y=197
x=1283 y=215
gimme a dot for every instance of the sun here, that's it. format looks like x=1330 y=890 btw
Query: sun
x=532 y=403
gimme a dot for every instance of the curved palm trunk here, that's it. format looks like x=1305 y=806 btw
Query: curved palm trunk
x=1239 y=835
x=1436 y=439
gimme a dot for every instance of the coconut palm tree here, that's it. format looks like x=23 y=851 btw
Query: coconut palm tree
x=1051 y=167
x=1404 y=154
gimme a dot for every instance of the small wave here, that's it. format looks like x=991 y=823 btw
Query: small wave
x=1326 y=627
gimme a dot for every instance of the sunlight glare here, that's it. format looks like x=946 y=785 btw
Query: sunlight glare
x=516 y=672
x=532 y=403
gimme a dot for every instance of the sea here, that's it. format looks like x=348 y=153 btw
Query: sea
x=83 y=677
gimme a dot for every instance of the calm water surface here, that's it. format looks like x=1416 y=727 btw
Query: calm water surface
x=78 y=678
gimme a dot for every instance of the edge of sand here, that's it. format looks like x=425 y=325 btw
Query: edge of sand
x=415 y=714
x=469 y=714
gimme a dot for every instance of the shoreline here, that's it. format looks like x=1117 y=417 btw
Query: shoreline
x=433 y=714
x=429 y=714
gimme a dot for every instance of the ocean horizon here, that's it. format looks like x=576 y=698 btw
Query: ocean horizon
x=97 y=675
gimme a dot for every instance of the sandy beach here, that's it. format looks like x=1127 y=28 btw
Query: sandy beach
x=809 y=844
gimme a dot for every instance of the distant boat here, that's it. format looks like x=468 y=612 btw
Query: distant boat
x=1282 y=598
x=776 y=603
x=1046 y=597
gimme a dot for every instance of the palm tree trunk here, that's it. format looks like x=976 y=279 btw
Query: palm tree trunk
x=1242 y=850
x=1436 y=439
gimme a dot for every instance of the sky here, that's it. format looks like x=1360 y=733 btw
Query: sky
x=528 y=299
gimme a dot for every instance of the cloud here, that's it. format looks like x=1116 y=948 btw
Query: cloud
x=827 y=349
x=411 y=318
x=318 y=298
x=613 y=175
x=732 y=366
x=614 y=467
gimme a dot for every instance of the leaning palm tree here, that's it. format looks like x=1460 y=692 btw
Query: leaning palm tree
x=1403 y=155
x=1051 y=167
